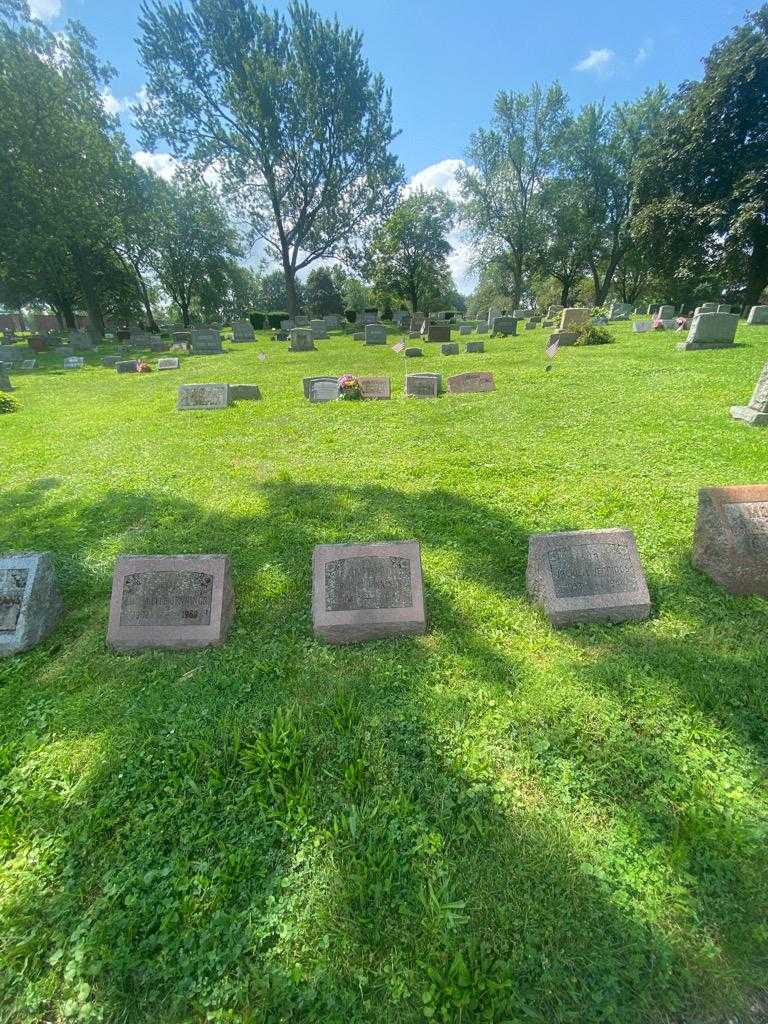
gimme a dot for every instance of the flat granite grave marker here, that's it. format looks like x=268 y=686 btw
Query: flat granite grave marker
x=302 y=340
x=365 y=591
x=244 y=392
x=324 y=390
x=450 y=348
x=587 y=576
x=465 y=329
x=169 y=363
x=422 y=385
x=30 y=605
x=413 y=352
x=710 y=330
x=465 y=383
x=758 y=315
x=730 y=540
x=110 y=361
x=642 y=326
x=177 y=602
x=203 y=396
x=475 y=346
x=375 y=334
x=756 y=413
x=375 y=387
x=28 y=364
x=358 y=336
x=309 y=381
x=127 y=366
x=74 y=363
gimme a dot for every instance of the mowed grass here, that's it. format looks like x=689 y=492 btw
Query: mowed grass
x=496 y=822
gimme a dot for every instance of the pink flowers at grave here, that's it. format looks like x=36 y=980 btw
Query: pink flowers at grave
x=349 y=386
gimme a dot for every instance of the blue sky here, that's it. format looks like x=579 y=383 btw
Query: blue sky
x=445 y=60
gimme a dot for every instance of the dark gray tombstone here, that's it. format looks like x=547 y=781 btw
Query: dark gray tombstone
x=178 y=602
x=302 y=340
x=205 y=342
x=587 y=576
x=127 y=366
x=375 y=334
x=450 y=348
x=324 y=391
x=244 y=393
x=475 y=346
x=730 y=542
x=438 y=332
x=423 y=385
x=30 y=605
x=309 y=381
x=413 y=352
x=366 y=591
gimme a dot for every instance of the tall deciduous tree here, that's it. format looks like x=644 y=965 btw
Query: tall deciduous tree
x=410 y=251
x=288 y=109
x=707 y=186
x=321 y=293
x=192 y=242
x=508 y=164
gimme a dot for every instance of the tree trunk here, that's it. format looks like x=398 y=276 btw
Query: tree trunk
x=290 y=285
x=68 y=313
x=90 y=293
x=565 y=293
x=151 y=322
x=757 y=278
x=184 y=307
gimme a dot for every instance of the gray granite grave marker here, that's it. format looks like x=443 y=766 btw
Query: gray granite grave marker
x=203 y=396
x=302 y=340
x=758 y=315
x=587 y=576
x=177 y=602
x=309 y=381
x=170 y=363
x=711 y=330
x=366 y=591
x=756 y=413
x=450 y=348
x=30 y=605
x=475 y=346
x=244 y=393
x=375 y=334
x=423 y=385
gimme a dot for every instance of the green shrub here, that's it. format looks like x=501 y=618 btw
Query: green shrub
x=592 y=334
x=8 y=403
x=351 y=315
x=275 y=318
x=257 y=321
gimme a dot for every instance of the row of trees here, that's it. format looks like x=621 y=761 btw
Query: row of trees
x=662 y=197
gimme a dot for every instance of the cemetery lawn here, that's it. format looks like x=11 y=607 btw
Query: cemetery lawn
x=496 y=822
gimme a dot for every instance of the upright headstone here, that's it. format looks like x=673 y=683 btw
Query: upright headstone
x=375 y=387
x=177 y=602
x=706 y=307
x=375 y=334
x=30 y=605
x=506 y=326
x=482 y=328
x=731 y=537
x=301 y=321
x=5 y=383
x=666 y=313
x=110 y=361
x=309 y=381
x=242 y=331
x=324 y=389
x=302 y=340
x=475 y=346
x=464 y=383
x=450 y=348
x=758 y=315
x=587 y=576
x=203 y=396
x=711 y=330
x=756 y=413
x=493 y=313
x=439 y=332
x=574 y=316
x=368 y=316
x=29 y=364
x=205 y=341
x=287 y=325
x=465 y=329
x=620 y=311
x=422 y=385
x=318 y=328
x=563 y=338
x=642 y=326
x=367 y=591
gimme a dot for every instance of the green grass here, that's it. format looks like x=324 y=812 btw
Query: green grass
x=495 y=822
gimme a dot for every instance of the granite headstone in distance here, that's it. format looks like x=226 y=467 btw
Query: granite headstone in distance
x=450 y=348
x=203 y=396
x=439 y=332
x=244 y=392
x=464 y=383
x=475 y=346
x=375 y=387
x=365 y=591
x=413 y=352
x=127 y=366
x=178 y=602
x=587 y=576
x=30 y=605
x=756 y=413
x=169 y=363
x=730 y=542
x=324 y=391
x=307 y=383
x=422 y=385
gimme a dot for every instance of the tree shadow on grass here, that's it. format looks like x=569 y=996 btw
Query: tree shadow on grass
x=308 y=833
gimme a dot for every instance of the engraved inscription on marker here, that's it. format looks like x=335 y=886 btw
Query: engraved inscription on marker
x=367 y=582
x=167 y=599
x=12 y=584
x=730 y=541
x=586 y=571
x=748 y=522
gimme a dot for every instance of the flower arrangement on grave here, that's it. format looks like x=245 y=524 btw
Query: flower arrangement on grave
x=142 y=366
x=658 y=325
x=682 y=323
x=349 y=387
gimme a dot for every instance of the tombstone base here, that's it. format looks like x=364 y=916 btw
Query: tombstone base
x=690 y=346
x=751 y=416
x=563 y=338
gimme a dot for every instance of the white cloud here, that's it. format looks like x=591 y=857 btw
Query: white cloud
x=644 y=52
x=45 y=10
x=162 y=164
x=111 y=103
x=441 y=177
x=437 y=177
x=598 y=61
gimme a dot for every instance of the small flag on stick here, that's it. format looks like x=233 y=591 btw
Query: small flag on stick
x=552 y=348
x=399 y=347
